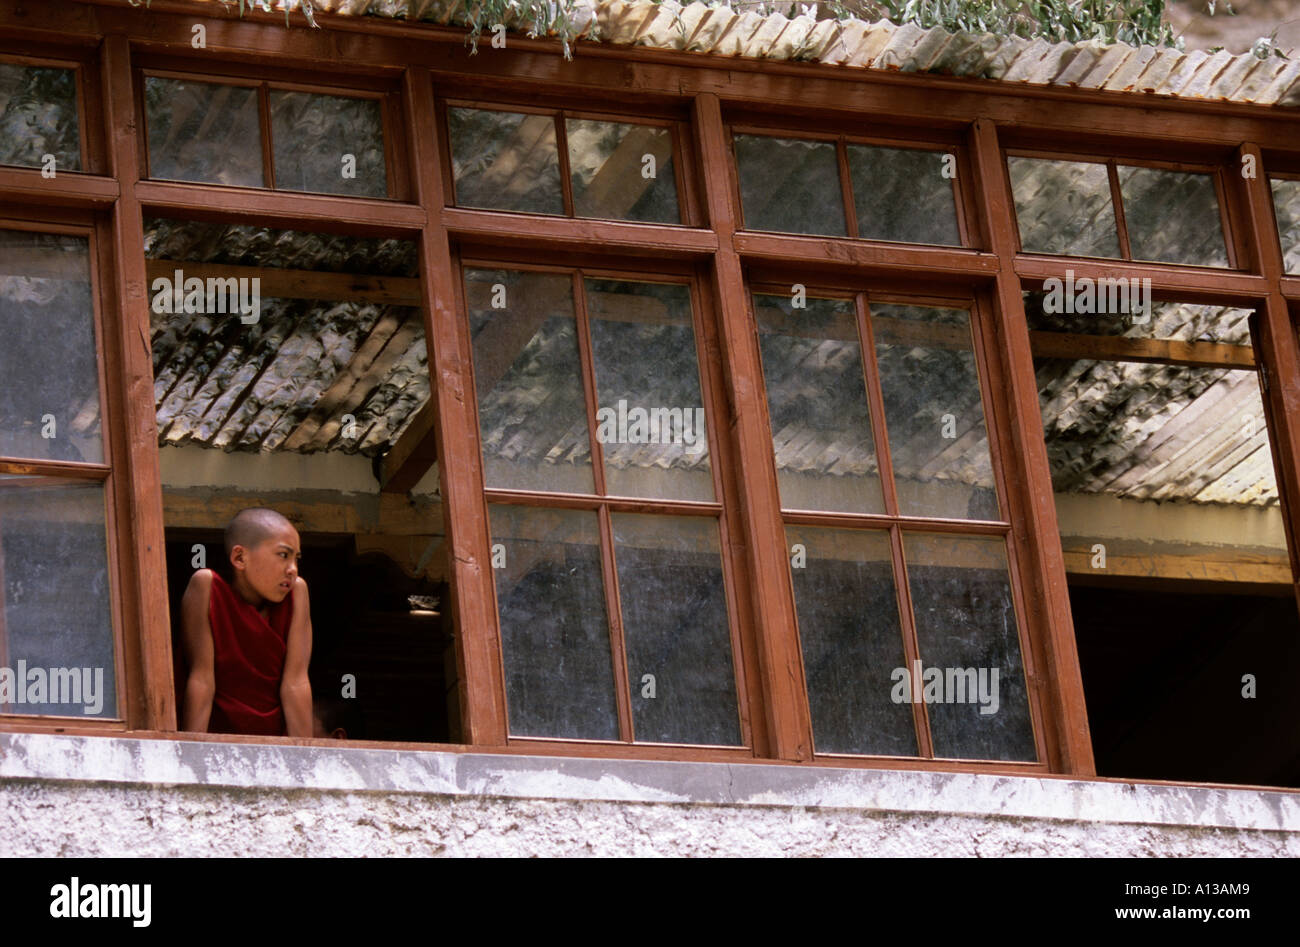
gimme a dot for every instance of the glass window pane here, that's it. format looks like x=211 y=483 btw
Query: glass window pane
x=1172 y=217
x=1064 y=207
x=505 y=161
x=622 y=171
x=56 y=627
x=531 y=409
x=901 y=194
x=938 y=441
x=852 y=642
x=817 y=402
x=651 y=419
x=328 y=143
x=38 y=117
x=676 y=630
x=201 y=131
x=966 y=629
x=789 y=185
x=1119 y=308
x=554 y=631
x=1286 y=201
x=49 y=375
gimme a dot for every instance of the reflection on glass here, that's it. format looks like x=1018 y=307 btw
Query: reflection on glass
x=1286 y=202
x=1064 y=207
x=675 y=629
x=789 y=185
x=852 y=642
x=38 y=117
x=902 y=194
x=49 y=375
x=622 y=171
x=938 y=441
x=532 y=414
x=1172 y=217
x=55 y=612
x=201 y=131
x=966 y=628
x=328 y=143
x=554 y=630
x=505 y=161
x=817 y=402
x=651 y=419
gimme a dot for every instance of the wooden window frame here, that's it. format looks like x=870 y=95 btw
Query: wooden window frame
x=559 y=113
x=266 y=81
x=112 y=42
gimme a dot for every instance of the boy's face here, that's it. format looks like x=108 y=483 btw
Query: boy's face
x=271 y=566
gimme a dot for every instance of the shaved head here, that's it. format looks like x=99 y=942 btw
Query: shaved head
x=251 y=527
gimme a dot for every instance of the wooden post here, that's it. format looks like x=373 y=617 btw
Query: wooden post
x=1278 y=352
x=1032 y=506
x=473 y=596
x=789 y=724
x=130 y=415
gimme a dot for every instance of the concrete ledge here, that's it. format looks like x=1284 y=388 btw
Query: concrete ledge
x=52 y=758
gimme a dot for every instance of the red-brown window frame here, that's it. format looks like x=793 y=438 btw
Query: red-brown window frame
x=986 y=115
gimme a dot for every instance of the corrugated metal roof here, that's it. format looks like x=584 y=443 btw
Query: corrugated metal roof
x=724 y=31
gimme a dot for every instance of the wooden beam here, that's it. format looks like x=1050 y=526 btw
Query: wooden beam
x=1116 y=348
x=310 y=511
x=65 y=189
x=301 y=284
x=290 y=210
x=865 y=256
x=1168 y=563
x=130 y=419
x=785 y=698
x=413 y=454
x=531 y=231
x=1175 y=283
x=460 y=465
x=1033 y=510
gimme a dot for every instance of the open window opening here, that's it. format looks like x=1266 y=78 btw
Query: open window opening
x=290 y=373
x=1171 y=523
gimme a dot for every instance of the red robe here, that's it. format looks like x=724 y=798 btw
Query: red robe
x=248 y=658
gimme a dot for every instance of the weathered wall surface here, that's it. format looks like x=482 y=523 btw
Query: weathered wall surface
x=75 y=796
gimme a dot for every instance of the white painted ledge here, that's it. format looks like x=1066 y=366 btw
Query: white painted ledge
x=117 y=760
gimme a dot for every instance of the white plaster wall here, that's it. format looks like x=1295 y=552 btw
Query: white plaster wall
x=100 y=796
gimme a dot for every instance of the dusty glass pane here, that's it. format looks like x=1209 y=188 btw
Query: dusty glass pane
x=38 y=117
x=817 y=402
x=328 y=143
x=1122 y=308
x=651 y=421
x=938 y=441
x=1172 y=217
x=1064 y=207
x=532 y=414
x=622 y=171
x=201 y=131
x=505 y=161
x=852 y=642
x=789 y=185
x=966 y=629
x=675 y=629
x=56 y=627
x=901 y=194
x=49 y=376
x=1286 y=201
x=554 y=631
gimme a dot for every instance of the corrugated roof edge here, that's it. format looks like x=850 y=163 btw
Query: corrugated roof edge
x=723 y=31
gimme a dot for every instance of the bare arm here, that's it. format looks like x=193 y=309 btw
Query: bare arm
x=196 y=636
x=295 y=688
